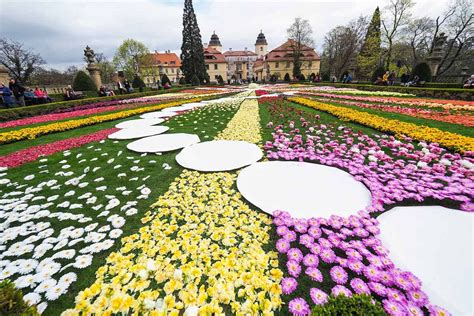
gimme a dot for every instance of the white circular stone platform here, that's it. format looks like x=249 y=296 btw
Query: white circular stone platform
x=158 y=114
x=220 y=155
x=139 y=123
x=184 y=107
x=162 y=143
x=132 y=133
x=436 y=244
x=303 y=189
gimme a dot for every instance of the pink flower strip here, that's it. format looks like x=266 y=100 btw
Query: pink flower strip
x=32 y=153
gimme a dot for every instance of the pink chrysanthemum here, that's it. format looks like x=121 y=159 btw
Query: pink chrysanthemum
x=327 y=255
x=314 y=232
x=395 y=295
x=290 y=236
x=298 y=307
x=341 y=290
x=311 y=260
x=282 y=230
x=295 y=254
x=282 y=245
x=306 y=240
x=393 y=308
x=377 y=288
x=338 y=274
x=356 y=266
x=294 y=268
x=438 y=311
x=418 y=297
x=314 y=274
x=315 y=249
x=359 y=286
x=318 y=296
x=288 y=285
x=372 y=273
x=414 y=310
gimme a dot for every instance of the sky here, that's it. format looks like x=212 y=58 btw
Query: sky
x=59 y=30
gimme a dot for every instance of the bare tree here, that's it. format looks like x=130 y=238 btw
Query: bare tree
x=20 y=62
x=418 y=34
x=300 y=34
x=458 y=25
x=398 y=14
x=341 y=45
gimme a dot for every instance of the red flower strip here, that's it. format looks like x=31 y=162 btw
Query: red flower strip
x=32 y=153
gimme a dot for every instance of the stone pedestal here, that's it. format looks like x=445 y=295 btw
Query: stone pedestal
x=94 y=72
x=4 y=76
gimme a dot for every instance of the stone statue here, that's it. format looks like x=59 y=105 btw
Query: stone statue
x=90 y=55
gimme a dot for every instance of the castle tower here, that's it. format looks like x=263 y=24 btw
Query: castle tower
x=261 y=45
x=215 y=42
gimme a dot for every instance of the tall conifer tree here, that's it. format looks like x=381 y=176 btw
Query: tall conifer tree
x=192 y=51
x=369 y=56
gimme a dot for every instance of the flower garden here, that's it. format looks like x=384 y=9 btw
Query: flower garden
x=270 y=200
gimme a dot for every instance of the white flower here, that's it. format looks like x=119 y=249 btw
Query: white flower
x=83 y=261
x=99 y=179
x=24 y=281
x=145 y=191
x=45 y=285
x=148 y=303
x=32 y=298
x=64 y=254
x=115 y=233
x=91 y=227
x=118 y=222
x=178 y=274
x=373 y=158
x=467 y=164
x=55 y=292
x=191 y=311
x=112 y=203
x=151 y=265
x=26 y=266
x=29 y=177
x=41 y=307
x=421 y=164
x=160 y=304
x=445 y=162
x=104 y=228
x=68 y=278
x=97 y=207
x=143 y=274
x=102 y=188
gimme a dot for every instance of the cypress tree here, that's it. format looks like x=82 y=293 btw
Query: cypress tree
x=369 y=56
x=192 y=51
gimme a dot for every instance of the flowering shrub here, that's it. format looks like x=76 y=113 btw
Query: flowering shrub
x=423 y=133
x=356 y=305
x=33 y=132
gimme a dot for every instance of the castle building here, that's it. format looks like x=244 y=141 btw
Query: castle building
x=160 y=64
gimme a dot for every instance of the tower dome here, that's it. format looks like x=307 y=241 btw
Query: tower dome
x=215 y=40
x=261 y=40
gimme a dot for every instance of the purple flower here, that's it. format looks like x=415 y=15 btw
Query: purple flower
x=395 y=295
x=377 y=288
x=306 y=240
x=282 y=230
x=356 y=266
x=295 y=254
x=372 y=273
x=394 y=308
x=414 y=310
x=341 y=290
x=359 y=286
x=282 y=245
x=318 y=296
x=315 y=248
x=314 y=232
x=418 y=297
x=288 y=285
x=290 y=236
x=314 y=274
x=311 y=260
x=338 y=274
x=327 y=255
x=438 y=311
x=294 y=268
x=298 y=307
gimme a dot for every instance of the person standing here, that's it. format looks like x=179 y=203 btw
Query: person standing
x=127 y=86
x=18 y=91
x=6 y=94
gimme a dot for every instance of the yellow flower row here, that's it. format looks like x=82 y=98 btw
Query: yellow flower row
x=33 y=132
x=201 y=251
x=447 y=139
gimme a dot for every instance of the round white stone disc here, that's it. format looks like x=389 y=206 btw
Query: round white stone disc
x=139 y=123
x=139 y=132
x=162 y=143
x=158 y=114
x=184 y=107
x=220 y=155
x=437 y=245
x=303 y=189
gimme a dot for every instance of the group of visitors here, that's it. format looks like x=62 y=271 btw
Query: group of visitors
x=17 y=95
x=347 y=78
x=469 y=83
x=105 y=92
x=124 y=87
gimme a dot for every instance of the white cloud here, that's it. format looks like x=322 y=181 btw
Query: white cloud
x=59 y=30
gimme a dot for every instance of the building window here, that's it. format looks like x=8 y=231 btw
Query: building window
x=310 y=64
x=207 y=67
x=215 y=66
x=166 y=70
x=172 y=70
x=277 y=64
x=261 y=48
x=288 y=64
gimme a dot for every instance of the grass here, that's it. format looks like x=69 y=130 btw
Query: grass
x=205 y=122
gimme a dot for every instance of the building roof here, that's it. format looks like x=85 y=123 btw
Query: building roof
x=284 y=52
x=166 y=59
x=261 y=40
x=215 y=40
x=239 y=53
x=212 y=56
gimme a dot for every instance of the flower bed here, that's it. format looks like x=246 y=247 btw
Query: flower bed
x=422 y=133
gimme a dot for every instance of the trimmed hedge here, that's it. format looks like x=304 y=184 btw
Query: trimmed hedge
x=439 y=93
x=28 y=111
x=357 y=305
x=83 y=82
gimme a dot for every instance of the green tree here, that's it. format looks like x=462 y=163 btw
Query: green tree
x=192 y=51
x=82 y=82
x=423 y=71
x=287 y=77
x=138 y=83
x=165 y=80
x=130 y=57
x=300 y=35
x=369 y=56
x=107 y=69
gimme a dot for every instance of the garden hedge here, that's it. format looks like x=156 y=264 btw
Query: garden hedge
x=27 y=111
x=439 y=93
x=357 y=305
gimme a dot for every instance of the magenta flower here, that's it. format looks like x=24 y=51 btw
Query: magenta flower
x=414 y=310
x=288 y=285
x=341 y=290
x=317 y=296
x=338 y=274
x=311 y=260
x=377 y=288
x=395 y=295
x=418 y=297
x=290 y=236
x=314 y=274
x=295 y=254
x=356 y=266
x=327 y=255
x=438 y=311
x=315 y=249
x=359 y=286
x=298 y=307
x=372 y=273
x=393 y=308
x=282 y=230
x=306 y=240
x=282 y=245
x=294 y=268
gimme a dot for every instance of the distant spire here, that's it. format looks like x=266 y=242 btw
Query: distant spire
x=261 y=40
